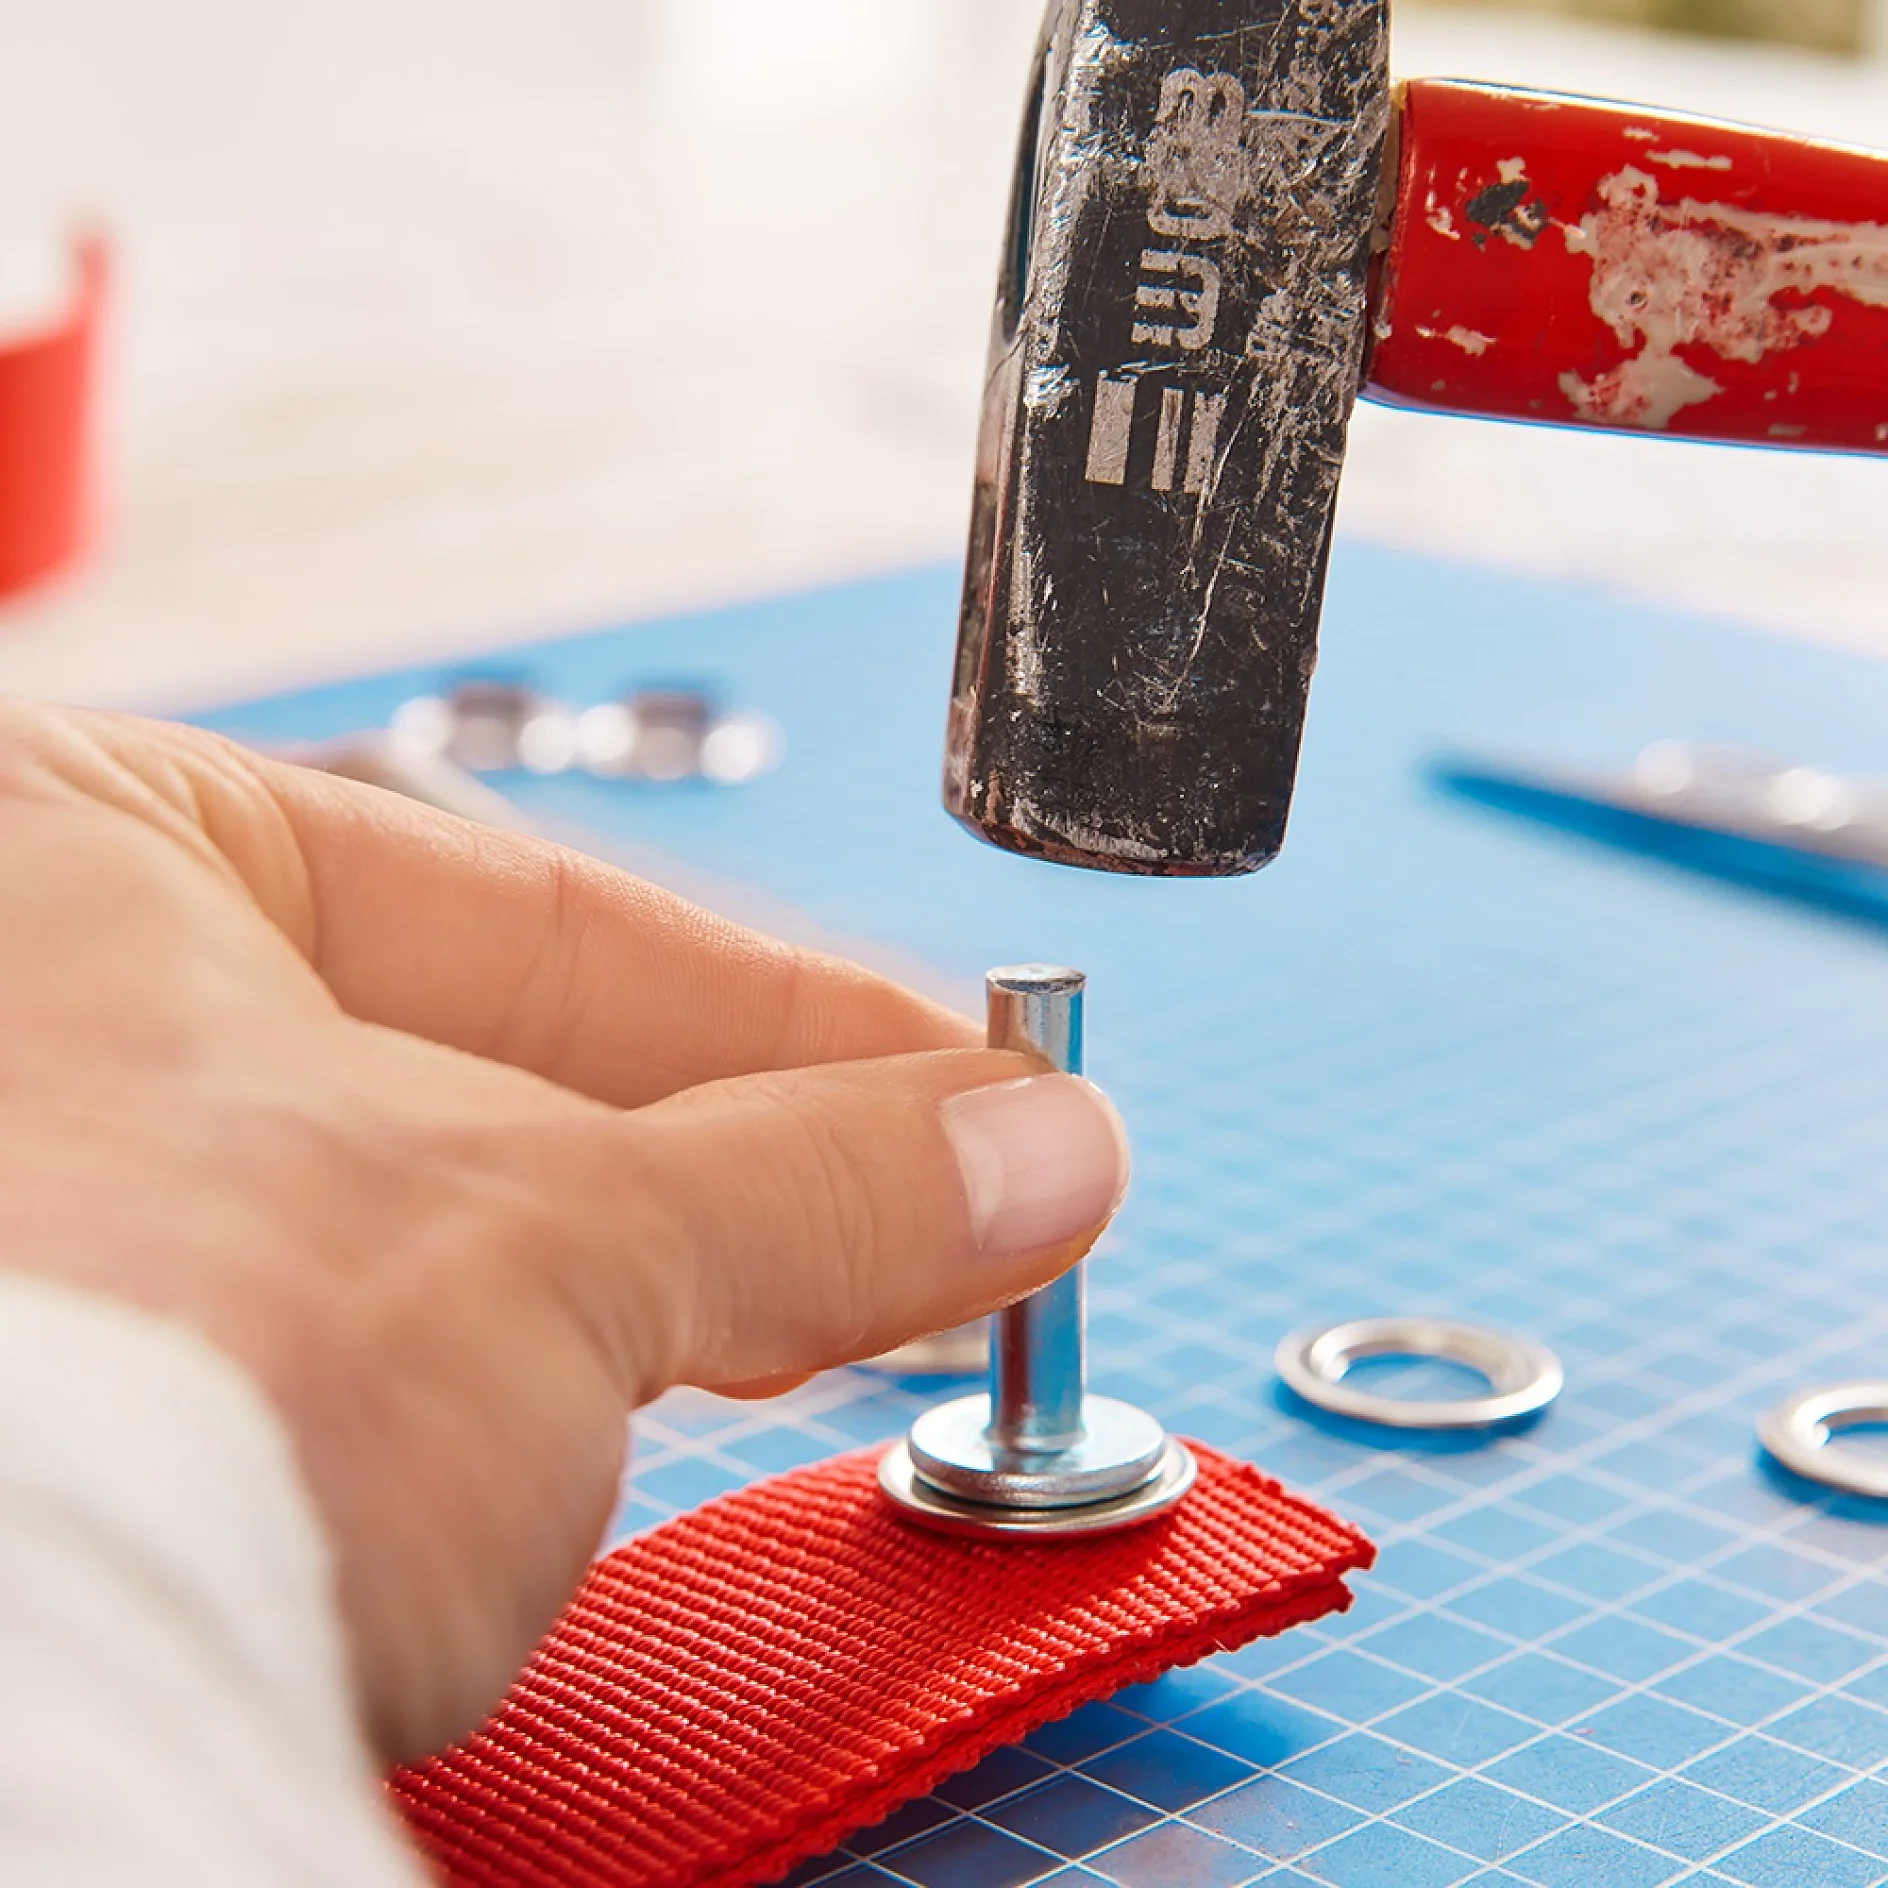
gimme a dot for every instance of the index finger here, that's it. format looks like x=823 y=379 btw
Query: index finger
x=527 y=953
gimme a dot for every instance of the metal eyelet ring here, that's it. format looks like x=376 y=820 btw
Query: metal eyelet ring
x=1803 y=1436
x=1524 y=1377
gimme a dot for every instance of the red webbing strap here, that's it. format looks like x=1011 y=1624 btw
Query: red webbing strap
x=750 y=1684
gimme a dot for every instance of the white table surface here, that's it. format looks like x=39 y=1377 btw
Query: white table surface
x=445 y=325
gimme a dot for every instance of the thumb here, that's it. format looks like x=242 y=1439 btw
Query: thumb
x=821 y=1215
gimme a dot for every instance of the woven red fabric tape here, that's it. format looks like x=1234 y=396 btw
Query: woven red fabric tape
x=750 y=1684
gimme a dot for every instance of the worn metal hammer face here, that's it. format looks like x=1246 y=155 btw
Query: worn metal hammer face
x=1180 y=336
x=1226 y=225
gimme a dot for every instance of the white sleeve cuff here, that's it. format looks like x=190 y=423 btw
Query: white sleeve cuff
x=176 y=1706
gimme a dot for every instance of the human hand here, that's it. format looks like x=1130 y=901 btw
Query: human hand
x=464 y=1146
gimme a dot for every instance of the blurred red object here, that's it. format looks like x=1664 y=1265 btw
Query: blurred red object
x=46 y=388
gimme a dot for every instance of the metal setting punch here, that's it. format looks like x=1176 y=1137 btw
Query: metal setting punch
x=1038 y=1455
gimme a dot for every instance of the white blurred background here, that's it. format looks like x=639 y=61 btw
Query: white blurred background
x=441 y=325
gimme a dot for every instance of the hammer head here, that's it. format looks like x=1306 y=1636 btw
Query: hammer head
x=1179 y=340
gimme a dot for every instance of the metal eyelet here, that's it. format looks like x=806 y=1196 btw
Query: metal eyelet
x=1524 y=1377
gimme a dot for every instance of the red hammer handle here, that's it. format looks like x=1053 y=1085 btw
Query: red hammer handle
x=1585 y=264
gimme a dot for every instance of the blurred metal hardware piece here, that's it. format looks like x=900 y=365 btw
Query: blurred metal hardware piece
x=492 y=727
x=1804 y=1436
x=661 y=735
x=964 y=1352
x=656 y=735
x=671 y=735
x=1524 y=1377
x=1037 y=1455
x=740 y=748
x=1741 y=793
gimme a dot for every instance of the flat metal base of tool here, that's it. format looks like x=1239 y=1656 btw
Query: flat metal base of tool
x=953 y=1447
x=907 y=1490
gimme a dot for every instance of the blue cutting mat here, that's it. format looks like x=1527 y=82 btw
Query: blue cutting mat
x=1432 y=1061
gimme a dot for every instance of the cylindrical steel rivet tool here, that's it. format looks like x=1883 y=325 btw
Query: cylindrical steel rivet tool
x=1038 y=1455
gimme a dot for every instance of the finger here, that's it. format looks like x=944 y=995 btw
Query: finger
x=829 y=1214
x=526 y=953
x=767 y=1390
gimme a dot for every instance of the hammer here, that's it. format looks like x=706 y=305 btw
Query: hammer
x=1227 y=224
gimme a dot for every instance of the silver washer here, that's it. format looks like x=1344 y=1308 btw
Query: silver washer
x=1802 y=1436
x=1524 y=1377
x=908 y=1491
